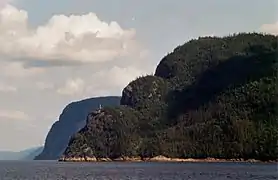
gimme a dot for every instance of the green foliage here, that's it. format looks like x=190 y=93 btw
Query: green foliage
x=144 y=92
x=211 y=97
x=110 y=133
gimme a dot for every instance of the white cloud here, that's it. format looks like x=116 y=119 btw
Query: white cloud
x=116 y=76
x=208 y=35
x=5 y=2
x=63 y=40
x=39 y=65
x=7 y=88
x=103 y=82
x=72 y=87
x=270 y=28
x=13 y=115
x=44 y=85
x=16 y=69
x=111 y=81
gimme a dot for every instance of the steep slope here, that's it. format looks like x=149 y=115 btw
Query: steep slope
x=211 y=97
x=72 y=119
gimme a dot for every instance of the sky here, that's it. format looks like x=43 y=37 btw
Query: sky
x=55 y=52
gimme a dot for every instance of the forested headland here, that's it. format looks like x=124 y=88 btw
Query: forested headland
x=211 y=97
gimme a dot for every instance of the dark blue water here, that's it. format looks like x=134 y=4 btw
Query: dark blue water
x=37 y=170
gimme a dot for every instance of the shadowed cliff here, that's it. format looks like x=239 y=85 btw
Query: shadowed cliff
x=72 y=119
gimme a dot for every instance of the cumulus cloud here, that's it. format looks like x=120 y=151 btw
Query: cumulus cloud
x=113 y=53
x=270 y=28
x=208 y=35
x=3 y=3
x=63 y=40
x=72 y=87
x=116 y=76
x=68 y=58
x=7 y=88
x=13 y=115
x=44 y=85
x=16 y=69
x=102 y=82
x=112 y=81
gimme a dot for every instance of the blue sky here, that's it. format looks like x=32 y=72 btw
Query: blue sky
x=37 y=79
x=168 y=21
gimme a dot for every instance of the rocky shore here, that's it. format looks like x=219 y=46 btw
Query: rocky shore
x=153 y=159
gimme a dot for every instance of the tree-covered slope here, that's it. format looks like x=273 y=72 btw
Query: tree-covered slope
x=211 y=97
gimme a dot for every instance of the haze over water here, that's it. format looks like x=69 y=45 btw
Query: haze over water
x=51 y=170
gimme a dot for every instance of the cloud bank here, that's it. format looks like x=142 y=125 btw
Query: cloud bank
x=270 y=28
x=69 y=41
x=68 y=58
x=63 y=40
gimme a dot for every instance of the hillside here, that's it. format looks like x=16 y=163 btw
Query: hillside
x=27 y=154
x=33 y=153
x=72 y=119
x=211 y=97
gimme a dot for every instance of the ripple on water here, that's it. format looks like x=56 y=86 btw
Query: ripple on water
x=52 y=170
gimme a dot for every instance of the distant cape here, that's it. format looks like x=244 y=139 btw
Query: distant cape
x=71 y=120
x=27 y=154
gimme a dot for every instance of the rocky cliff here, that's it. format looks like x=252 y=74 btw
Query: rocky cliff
x=72 y=119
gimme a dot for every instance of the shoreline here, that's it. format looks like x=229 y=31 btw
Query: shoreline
x=158 y=159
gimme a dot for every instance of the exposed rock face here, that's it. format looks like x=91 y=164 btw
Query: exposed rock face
x=78 y=159
x=159 y=158
x=72 y=119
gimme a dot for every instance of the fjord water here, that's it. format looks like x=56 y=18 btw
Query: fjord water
x=52 y=170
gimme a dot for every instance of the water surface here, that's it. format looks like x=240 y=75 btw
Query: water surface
x=52 y=170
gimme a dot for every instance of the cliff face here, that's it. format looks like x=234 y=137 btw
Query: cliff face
x=72 y=119
x=211 y=97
